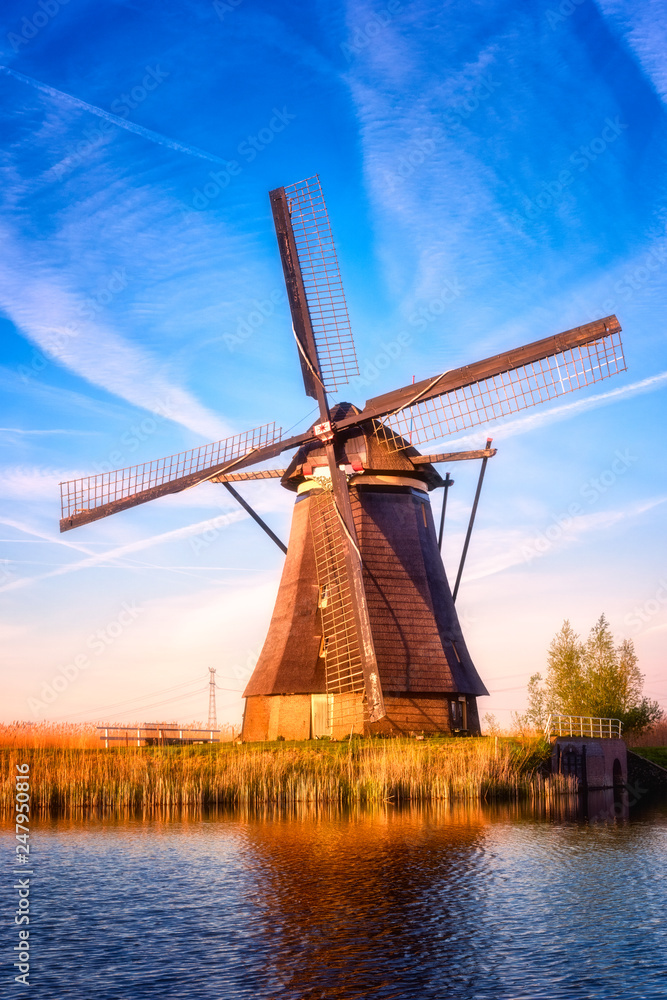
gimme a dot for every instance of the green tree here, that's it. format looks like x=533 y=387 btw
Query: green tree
x=565 y=672
x=537 y=712
x=595 y=677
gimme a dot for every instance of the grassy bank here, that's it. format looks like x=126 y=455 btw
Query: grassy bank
x=658 y=755
x=359 y=771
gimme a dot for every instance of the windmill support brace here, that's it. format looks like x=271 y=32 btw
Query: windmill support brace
x=448 y=482
x=263 y=525
x=470 y=525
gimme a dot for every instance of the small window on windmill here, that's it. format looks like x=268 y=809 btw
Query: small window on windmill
x=323 y=647
x=323 y=599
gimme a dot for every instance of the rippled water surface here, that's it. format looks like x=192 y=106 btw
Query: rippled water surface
x=465 y=902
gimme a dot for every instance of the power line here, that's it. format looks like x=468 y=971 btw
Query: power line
x=137 y=703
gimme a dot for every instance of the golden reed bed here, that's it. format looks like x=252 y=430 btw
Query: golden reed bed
x=72 y=778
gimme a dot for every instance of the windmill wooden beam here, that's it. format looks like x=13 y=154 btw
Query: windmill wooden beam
x=296 y=296
x=454 y=456
x=507 y=361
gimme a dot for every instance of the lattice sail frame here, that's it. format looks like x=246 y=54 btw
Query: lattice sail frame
x=503 y=394
x=79 y=495
x=322 y=282
x=343 y=664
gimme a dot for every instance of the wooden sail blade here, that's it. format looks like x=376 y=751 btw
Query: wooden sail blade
x=322 y=284
x=93 y=497
x=296 y=295
x=497 y=387
x=453 y=456
x=247 y=477
x=350 y=665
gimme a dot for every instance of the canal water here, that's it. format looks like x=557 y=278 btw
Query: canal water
x=463 y=902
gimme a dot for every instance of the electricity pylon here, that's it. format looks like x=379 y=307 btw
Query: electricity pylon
x=212 y=719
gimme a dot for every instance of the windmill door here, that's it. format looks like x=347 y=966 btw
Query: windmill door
x=320 y=715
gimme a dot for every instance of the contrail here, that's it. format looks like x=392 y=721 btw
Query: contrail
x=101 y=558
x=146 y=133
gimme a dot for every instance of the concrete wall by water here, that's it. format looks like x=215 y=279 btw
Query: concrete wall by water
x=597 y=763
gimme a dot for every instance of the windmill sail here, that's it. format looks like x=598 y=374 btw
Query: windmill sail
x=498 y=386
x=94 y=497
x=322 y=284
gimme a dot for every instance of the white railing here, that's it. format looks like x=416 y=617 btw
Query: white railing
x=582 y=725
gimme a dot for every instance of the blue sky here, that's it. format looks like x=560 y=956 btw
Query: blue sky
x=494 y=172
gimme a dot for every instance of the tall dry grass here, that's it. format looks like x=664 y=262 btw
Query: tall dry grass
x=361 y=771
x=40 y=735
x=656 y=736
x=76 y=735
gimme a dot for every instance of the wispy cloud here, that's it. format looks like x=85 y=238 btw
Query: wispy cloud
x=643 y=24
x=41 y=433
x=37 y=533
x=30 y=483
x=48 y=313
x=111 y=557
x=453 y=192
x=145 y=133
x=506 y=549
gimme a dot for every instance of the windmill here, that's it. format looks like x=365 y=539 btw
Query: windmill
x=364 y=635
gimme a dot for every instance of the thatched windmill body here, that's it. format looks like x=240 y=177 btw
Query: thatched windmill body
x=364 y=635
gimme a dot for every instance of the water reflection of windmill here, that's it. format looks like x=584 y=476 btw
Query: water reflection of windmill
x=364 y=633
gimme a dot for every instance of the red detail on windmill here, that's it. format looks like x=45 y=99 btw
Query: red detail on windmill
x=324 y=431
